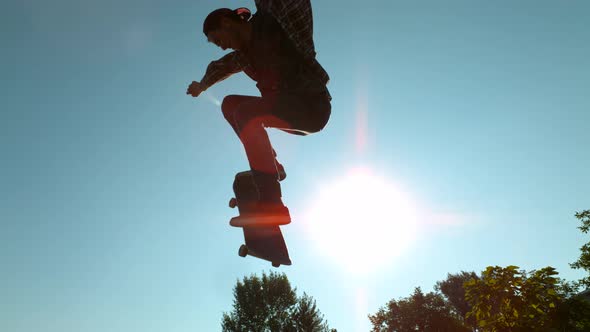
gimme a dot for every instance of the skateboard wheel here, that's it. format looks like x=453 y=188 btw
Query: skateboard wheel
x=275 y=264
x=243 y=252
x=233 y=203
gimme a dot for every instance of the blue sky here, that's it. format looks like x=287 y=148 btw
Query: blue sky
x=115 y=183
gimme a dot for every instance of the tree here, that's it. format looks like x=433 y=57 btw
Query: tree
x=419 y=312
x=453 y=290
x=573 y=313
x=506 y=299
x=307 y=317
x=271 y=304
x=584 y=261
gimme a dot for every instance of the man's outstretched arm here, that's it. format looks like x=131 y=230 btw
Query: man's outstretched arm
x=217 y=71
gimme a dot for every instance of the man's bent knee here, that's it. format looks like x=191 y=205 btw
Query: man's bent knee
x=229 y=105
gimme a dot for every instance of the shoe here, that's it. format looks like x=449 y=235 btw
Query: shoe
x=263 y=214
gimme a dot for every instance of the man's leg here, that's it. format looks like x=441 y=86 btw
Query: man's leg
x=248 y=116
x=233 y=104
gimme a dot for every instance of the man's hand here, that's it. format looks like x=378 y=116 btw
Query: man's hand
x=195 y=89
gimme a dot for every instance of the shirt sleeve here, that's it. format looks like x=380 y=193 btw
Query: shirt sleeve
x=223 y=68
x=296 y=19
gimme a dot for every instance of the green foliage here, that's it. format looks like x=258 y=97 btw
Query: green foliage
x=419 y=312
x=573 y=314
x=501 y=299
x=454 y=292
x=584 y=261
x=307 y=317
x=510 y=299
x=270 y=304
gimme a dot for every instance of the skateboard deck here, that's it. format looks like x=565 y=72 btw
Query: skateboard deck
x=263 y=242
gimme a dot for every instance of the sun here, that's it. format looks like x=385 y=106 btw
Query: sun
x=360 y=220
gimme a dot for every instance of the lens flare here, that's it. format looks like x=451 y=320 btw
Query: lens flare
x=212 y=98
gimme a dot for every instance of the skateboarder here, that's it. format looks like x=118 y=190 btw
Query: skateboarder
x=275 y=48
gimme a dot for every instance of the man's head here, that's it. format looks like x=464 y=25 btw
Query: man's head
x=227 y=28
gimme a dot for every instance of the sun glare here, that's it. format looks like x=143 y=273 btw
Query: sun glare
x=361 y=221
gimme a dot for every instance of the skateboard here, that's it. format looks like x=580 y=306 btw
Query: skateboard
x=263 y=242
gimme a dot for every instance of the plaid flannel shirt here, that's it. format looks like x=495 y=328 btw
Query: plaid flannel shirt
x=296 y=19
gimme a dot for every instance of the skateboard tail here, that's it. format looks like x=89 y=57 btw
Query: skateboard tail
x=276 y=260
x=266 y=243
